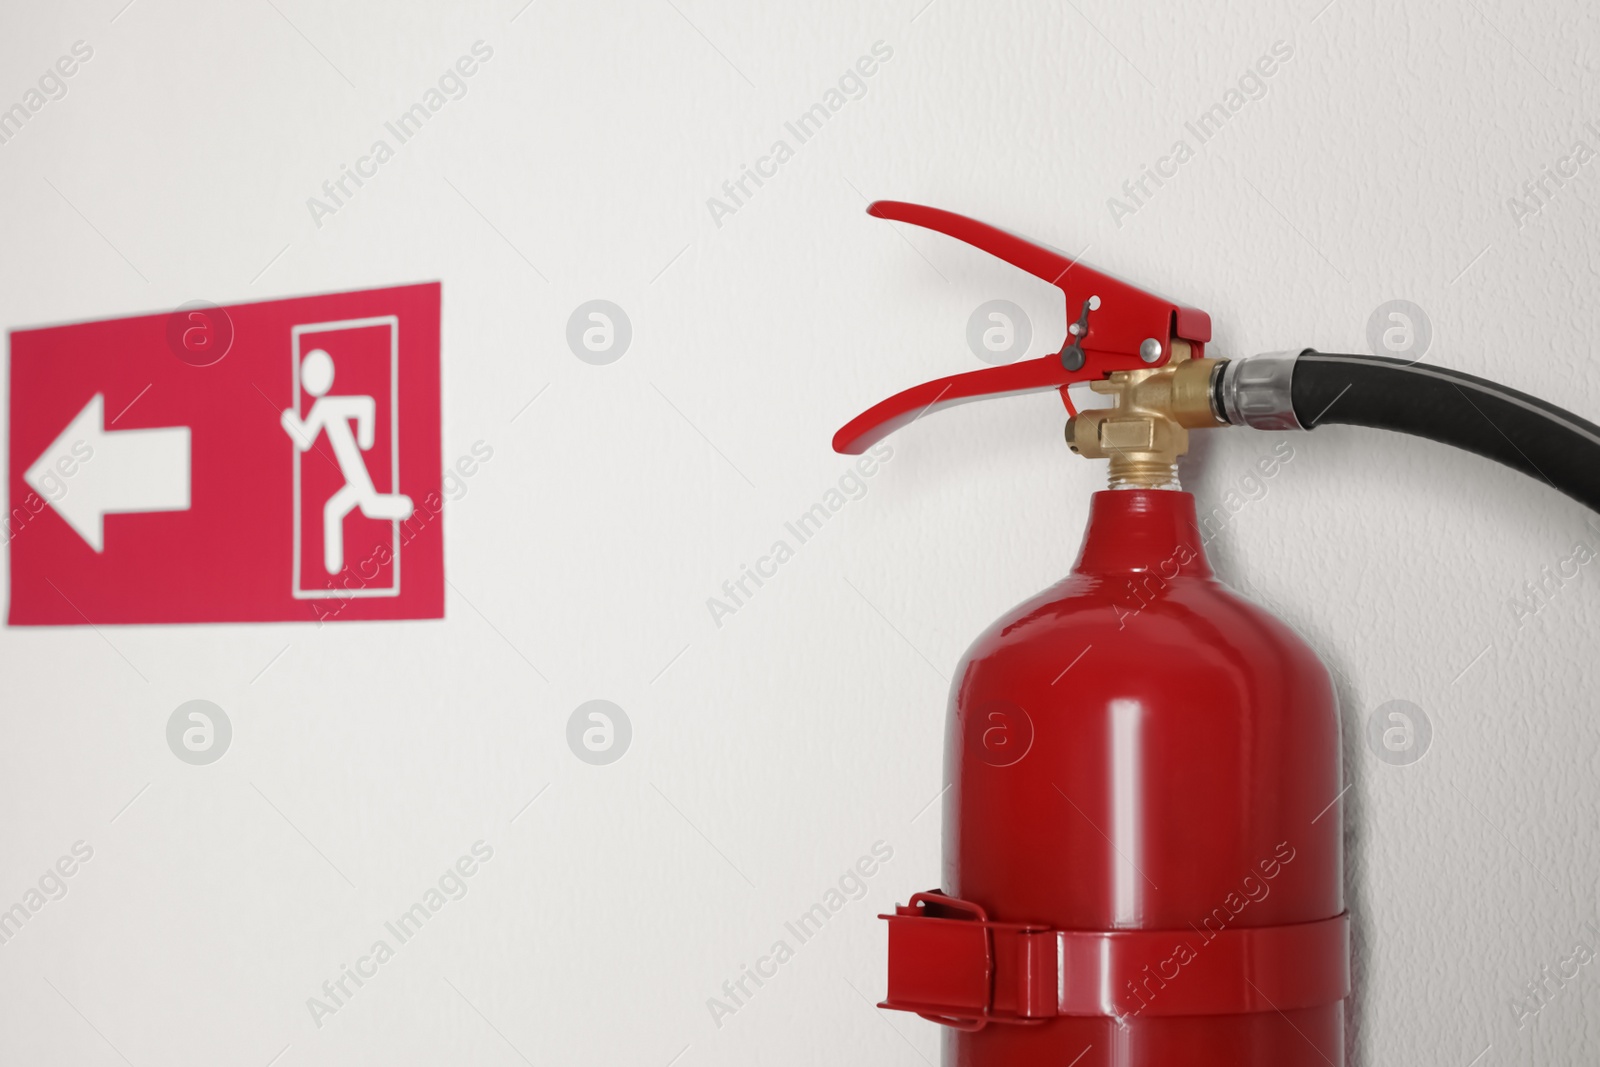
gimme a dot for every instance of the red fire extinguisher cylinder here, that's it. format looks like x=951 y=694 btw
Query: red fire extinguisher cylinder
x=1141 y=855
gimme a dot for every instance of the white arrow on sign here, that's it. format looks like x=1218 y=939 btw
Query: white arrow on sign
x=126 y=471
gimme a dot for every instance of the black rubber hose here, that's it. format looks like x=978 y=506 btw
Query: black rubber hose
x=1521 y=431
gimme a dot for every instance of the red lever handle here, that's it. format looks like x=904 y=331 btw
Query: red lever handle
x=1115 y=322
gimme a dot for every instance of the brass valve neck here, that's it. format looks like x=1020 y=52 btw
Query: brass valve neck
x=1147 y=427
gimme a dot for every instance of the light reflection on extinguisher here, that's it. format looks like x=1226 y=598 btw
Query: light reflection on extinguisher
x=1127 y=817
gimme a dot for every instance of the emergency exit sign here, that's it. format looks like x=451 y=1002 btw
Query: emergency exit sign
x=277 y=461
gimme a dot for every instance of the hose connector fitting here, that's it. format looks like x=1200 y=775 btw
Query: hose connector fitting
x=1255 y=391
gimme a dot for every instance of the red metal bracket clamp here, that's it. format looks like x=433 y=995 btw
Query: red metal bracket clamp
x=951 y=964
x=1115 y=326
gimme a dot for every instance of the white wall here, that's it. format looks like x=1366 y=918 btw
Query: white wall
x=772 y=752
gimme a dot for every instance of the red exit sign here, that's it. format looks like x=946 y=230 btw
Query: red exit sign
x=261 y=462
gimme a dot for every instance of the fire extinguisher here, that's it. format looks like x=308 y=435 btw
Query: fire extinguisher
x=1142 y=828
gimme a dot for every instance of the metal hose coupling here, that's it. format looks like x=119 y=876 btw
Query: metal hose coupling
x=1255 y=391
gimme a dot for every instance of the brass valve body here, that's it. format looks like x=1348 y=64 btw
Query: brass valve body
x=1147 y=429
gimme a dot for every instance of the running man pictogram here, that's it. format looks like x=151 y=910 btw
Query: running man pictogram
x=332 y=415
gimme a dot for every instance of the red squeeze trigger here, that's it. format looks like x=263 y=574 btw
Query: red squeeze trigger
x=909 y=405
x=1124 y=318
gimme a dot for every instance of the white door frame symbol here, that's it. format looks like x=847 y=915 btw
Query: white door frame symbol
x=296 y=332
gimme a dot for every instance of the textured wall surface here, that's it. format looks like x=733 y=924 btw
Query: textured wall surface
x=1395 y=154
